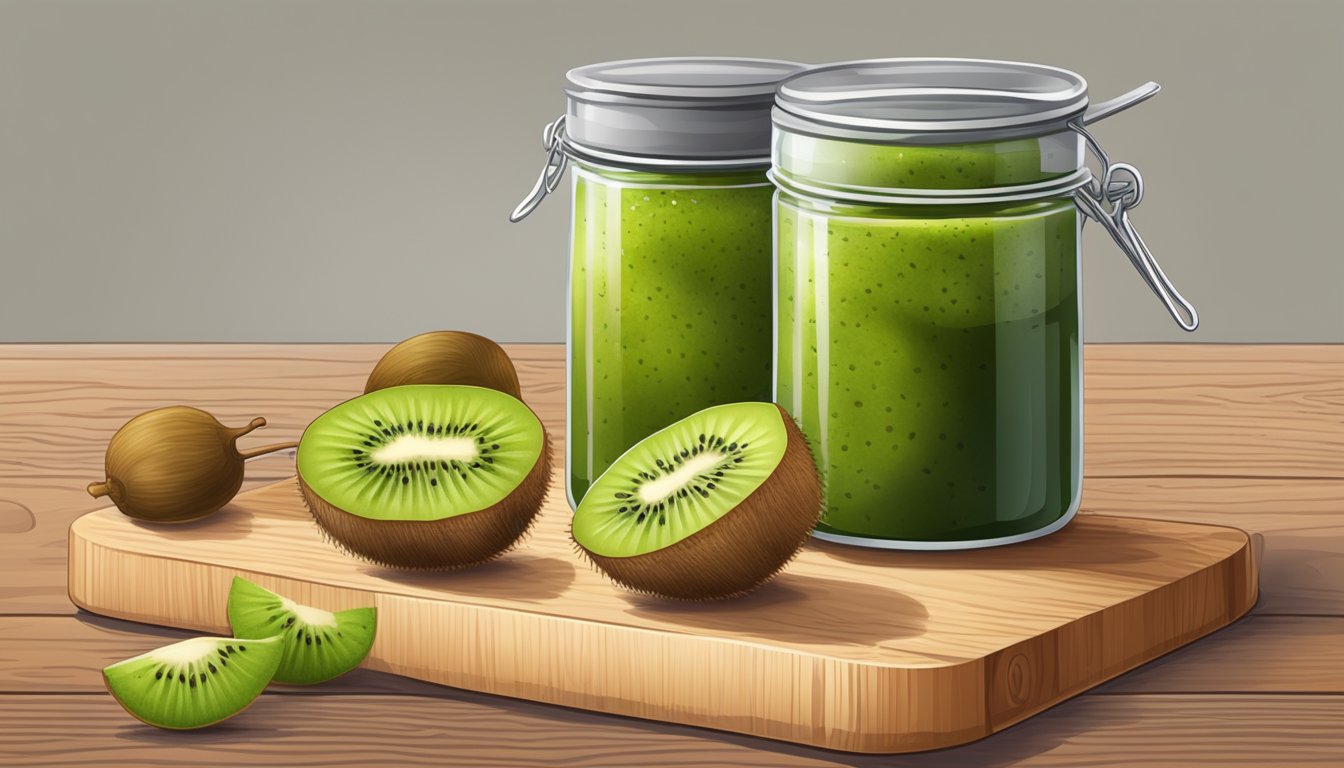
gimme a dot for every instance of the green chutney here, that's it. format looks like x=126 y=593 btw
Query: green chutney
x=670 y=305
x=931 y=354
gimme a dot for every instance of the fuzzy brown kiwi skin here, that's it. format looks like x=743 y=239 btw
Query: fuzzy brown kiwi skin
x=742 y=549
x=439 y=545
x=446 y=357
x=176 y=464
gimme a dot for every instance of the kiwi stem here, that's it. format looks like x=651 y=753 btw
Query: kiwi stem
x=238 y=432
x=98 y=490
x=265 y=449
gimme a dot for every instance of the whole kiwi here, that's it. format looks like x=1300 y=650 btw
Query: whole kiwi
x=175 y=464
x=446 y=357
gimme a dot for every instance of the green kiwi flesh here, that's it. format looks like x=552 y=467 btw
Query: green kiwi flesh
x=709 y=507
x=318 y=645
x=426 y=476
x=196 y=682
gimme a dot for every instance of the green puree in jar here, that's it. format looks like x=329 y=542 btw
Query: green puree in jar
x=931 y=355
x=670 y=305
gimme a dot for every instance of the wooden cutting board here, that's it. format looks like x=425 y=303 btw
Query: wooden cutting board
x=850 y=649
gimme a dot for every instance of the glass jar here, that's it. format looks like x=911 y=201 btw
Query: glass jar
x=670 y=306
x=928 y=292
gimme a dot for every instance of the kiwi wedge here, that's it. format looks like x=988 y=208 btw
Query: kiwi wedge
x=426 y=476
x=318 y=645
x=196 y=682
x=709 y=507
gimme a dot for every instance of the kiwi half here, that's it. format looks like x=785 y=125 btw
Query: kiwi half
x=194 y=683
x=426 y=476
x=318 y=645
x=709 y=507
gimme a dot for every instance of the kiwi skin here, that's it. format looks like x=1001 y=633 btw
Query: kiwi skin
x=446 y=357
x=450 y=543
x=741 y=550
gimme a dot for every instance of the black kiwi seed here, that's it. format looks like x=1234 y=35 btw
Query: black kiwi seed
x=405 y=480
x=377 y=423
x=158 y=675
x=622 y=495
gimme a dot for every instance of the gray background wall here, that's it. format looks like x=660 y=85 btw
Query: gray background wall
x=249 y=170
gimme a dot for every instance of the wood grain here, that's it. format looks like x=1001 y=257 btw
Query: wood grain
x=1298 y=523
x=859 y=650
x=1263 y=451
x=1218 y=410
x=1294 y=654
x=1096 y=731
x=1225 y=410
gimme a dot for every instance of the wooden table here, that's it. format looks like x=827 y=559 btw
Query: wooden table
x=1251 y=436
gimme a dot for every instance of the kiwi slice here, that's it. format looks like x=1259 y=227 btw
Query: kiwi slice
x=318 y=645
x=709 y=507
x=196 y=682
x=426 y=476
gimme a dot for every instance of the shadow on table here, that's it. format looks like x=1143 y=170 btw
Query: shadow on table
x=232 y=521
x=1076 y=547
x=513 y=576
x=797 y=608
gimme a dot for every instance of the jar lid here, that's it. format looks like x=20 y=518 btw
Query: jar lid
x=929 y=101
x=674 y=110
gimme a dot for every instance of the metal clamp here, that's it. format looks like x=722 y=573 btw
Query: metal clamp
x=553 y=141
x=1109 y=199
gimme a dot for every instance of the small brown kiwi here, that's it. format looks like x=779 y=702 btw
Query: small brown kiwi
x=175 y=464
x=446 y=357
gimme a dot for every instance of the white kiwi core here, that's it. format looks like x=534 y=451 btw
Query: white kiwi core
x=416 y=448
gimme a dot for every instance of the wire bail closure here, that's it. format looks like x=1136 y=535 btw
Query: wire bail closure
x=1109 y=199
x=553 y=141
